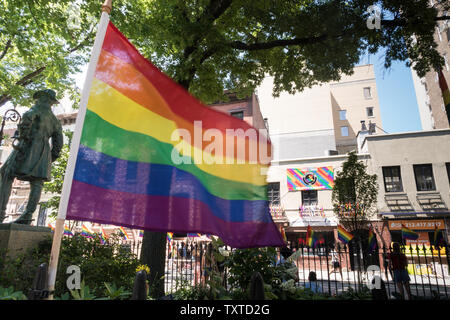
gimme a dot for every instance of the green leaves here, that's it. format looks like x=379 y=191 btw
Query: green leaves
x=40 y=46
x=10 y=294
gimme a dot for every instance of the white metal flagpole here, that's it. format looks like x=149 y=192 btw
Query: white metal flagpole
x=67 y=185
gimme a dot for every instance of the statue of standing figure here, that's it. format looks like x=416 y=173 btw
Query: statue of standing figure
x=32 y=156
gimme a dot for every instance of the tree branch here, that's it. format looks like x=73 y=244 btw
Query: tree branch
x=8 y=45
x=277 y=43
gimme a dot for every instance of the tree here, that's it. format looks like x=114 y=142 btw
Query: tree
x=211 y=45
x=354 y=200
x=354 y=194
x=42 y=44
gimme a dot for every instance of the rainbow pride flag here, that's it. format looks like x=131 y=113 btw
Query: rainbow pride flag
x=169 y=236
x=86 y=232
x=438 y=238
x=409 y=234
x=67 y=231
x=372 y=240
x=142 y=162
x=311 y=238
x=51 y=227
x=123 y=233
x=141 y=233
x=445 y=92
x=343 y=235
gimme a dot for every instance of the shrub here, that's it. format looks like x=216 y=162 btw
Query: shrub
x=99 y=264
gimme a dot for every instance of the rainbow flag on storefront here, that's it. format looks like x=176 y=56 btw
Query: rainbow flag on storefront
x=343 y=235
x=123 y=233
x=372 y=240
x=142 y=163
x=438 y=237
x=103 y=236
x=409 y=234
x=311 y=238
x=51 y=227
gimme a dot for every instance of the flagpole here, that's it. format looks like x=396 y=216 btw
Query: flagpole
x=75 y=144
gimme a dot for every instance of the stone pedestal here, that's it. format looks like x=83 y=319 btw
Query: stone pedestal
x=18 y=238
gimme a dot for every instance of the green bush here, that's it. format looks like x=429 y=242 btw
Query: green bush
x=99 y=264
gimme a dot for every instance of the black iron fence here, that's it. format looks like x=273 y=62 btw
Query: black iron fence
x=337 y=268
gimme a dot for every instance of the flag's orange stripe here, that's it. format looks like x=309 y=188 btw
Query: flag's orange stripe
x=131 y=83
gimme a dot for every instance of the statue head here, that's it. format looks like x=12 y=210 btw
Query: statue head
x=46 y=96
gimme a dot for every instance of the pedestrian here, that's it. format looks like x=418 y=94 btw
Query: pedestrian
x=398 y=263
x=312 y=283
x=335 y=263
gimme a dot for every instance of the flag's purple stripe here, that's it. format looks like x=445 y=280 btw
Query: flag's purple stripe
x=101 y=170
x=165 y=214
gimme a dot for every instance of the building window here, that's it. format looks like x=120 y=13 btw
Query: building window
x=369 y=111
x=237 y=114
x=343 y=115
x=344 y=131
x=424 y=177
x=273 y=193
x=309 y=197
x=392 y=179
x=367 y=93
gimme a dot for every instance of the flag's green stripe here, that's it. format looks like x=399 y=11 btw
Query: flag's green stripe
x=104 y=137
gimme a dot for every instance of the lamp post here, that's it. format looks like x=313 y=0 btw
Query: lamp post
x=10 y=115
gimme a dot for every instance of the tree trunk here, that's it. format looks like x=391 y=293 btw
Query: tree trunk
x=153 y=254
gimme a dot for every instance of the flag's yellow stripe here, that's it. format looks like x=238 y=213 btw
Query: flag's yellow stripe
x=121 y=111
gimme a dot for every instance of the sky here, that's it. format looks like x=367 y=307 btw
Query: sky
x=396 y=95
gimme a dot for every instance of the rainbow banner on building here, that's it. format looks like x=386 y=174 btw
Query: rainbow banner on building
x=142 y=163
x=409 y=234
x=321 y=178
x=343 y=235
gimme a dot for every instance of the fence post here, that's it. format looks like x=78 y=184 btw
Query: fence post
x=438 y=248
x=140 y=286
x=257 y=287
x=39 y=289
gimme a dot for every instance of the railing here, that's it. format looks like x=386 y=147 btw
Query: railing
x=187 y=263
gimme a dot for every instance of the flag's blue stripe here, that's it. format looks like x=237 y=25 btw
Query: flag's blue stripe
x=104 y=171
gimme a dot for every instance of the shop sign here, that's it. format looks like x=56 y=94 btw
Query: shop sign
x=416 y=224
